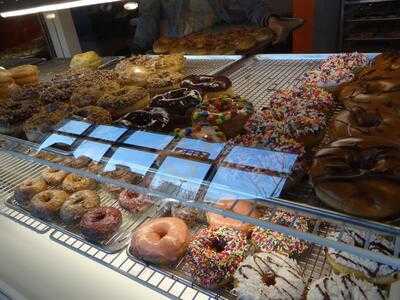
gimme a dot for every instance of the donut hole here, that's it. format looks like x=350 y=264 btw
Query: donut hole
x=218 y=245
x=269 y=279
x=162 y=233
x=99 y=216
x=46 y=198
x=78 y=200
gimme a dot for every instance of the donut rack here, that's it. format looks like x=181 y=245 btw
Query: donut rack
x=255 y=78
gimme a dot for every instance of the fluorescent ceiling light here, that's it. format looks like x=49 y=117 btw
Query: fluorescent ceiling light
x=131 y=5
x=52 y=7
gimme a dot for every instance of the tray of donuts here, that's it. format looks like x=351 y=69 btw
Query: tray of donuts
x=99 y=214
x=233 y=259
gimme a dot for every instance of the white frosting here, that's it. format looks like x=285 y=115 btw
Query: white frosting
x=343 y=287
x=369 y=268
x=288 y=284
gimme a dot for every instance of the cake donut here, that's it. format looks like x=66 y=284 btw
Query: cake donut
x=134 y=202
x=161 y=240
x=240 y=207
x=178 y=103
x=344 y=170
x=153 y=119
x=229 y=114
x=29 y=188
x=343 y=287
x=358 y=121
x=93 y=114
x=363 y=268
x=269 y=276
x=100 y=223
x=124 y=100
x=209 y=86
x=74 y=183
x=213 y=256
x=266 y=240
x=46 y=205
x=77 y=205
x=54 y=177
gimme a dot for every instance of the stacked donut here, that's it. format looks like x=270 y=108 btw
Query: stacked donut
x=363 y=154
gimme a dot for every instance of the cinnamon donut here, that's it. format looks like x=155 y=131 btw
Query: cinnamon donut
x=29 y=188
x=363 y=268
x=240 y=207
x=269 y=276
x=134 y=202
x=47 y=204
x=93 y=115
x=357 y=122
x=209 y=86
x=178 y=103
x=154 y=119
x=54 y=177
x=77 y=205
x=74 y=183
x=161 y=240
x=99 y=224
x=359 y=176
x=214 y=255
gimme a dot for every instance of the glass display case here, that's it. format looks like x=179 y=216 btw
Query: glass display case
x=260 y=191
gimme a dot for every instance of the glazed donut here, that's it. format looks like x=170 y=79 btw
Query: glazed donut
x=123 y=175
x=266 y=240
x=77 y=163
x=357 y=122
x=54 y=177
x=363 y=268
x=74 y=183
x=29 y=188
x=25 y=74
x=343 y=287
x=161 y=240
x=229 y=114
x=93 y=114
x=77 y=205
x=269 y=276
x=154 y=119
x=99 y=224
x=359 y=176
x=214 y=255
x=178 y=103
x=124 y=100
x=209 y=86
x=133 y=201
x=240 y=207
x=47 y=204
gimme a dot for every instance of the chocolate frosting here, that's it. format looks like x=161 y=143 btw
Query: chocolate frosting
x=206 y=83
x=178 y=101
x=156 y=119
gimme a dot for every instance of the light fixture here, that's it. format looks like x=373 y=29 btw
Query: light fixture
x=52 y=7
x=131 y=5
x=50 y=16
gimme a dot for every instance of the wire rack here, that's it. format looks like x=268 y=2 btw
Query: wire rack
x=210 y=64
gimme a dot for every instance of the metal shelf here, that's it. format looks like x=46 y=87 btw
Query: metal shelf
x=366 y=1
x=377 y=19
x=372 y=38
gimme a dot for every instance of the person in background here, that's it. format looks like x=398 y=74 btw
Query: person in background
x=177 y=18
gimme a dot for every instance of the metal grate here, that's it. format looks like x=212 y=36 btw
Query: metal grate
x=12 y=172
x=210 y=64
x=261 y=75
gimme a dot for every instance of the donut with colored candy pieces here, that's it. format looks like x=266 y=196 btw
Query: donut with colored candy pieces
x=269 y=276
x=343 y=287
x=266 y=240
x=209 y=86
x=213 y=256
x=363 y=268
x=228 y=113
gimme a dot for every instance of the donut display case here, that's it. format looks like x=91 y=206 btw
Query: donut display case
x=264 y=177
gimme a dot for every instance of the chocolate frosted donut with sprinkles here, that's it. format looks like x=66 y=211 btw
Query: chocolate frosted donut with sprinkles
x=343 y=287
x=269 y=276
x=375 y=272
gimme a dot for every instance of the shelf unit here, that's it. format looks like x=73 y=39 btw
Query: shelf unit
x=255 y=78
x=366 y=21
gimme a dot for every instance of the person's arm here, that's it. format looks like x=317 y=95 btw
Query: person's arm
x=147 y=25
x=257 y=11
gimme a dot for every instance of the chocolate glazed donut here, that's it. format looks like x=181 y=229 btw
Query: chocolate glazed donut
x=154 y=119
x=358 y=121
x=359 y=176
x=100 y=223
x=210 y=86
x=179 y=104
